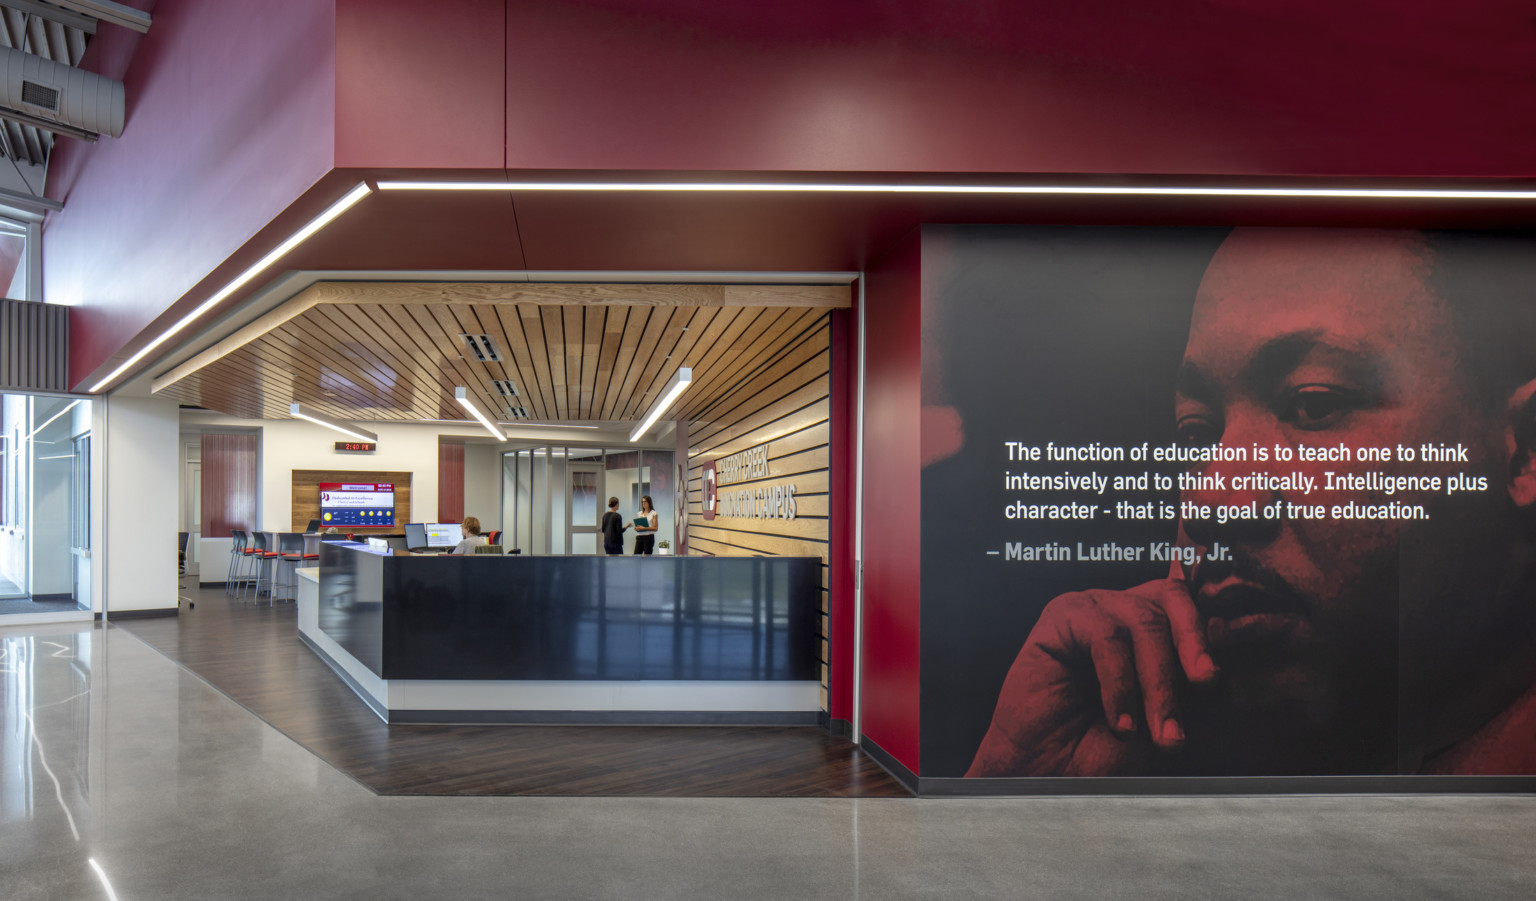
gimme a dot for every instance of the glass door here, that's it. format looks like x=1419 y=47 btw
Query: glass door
x=585 y=505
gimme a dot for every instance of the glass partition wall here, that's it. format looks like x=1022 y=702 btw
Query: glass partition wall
x=553 y=497
x=45 y=506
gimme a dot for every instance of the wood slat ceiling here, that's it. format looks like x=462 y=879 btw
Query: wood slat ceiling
x=394 y=351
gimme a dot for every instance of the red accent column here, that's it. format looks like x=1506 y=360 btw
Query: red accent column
x=450 y=482
x=892 y=501
x=844 y=477
x=229 y=484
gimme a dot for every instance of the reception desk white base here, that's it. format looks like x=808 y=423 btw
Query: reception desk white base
x=620 y=702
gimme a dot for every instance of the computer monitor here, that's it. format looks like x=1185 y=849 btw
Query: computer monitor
x=397 y=542
x=313 y=527
x=415 y=536
x=444 y=534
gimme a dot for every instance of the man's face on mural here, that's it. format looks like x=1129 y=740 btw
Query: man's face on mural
x=1323 y=341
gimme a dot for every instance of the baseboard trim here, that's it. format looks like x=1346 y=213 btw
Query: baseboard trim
x=362 y=695
x=604 y=717
x=142 y=614
x=1225 y=785
x=839 y=728
x=891 y=765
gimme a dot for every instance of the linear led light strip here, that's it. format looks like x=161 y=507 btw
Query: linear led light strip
x=680 y=382
x=300 y=411
x=1070 y=190
x=461 y=395
x=257 y=268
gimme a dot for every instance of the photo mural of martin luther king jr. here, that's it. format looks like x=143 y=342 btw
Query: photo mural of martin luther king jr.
x=1377 y=642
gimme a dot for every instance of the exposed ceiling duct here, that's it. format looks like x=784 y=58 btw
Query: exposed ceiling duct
x=85 y=103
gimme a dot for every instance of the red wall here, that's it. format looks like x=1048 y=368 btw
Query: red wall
x=844 y=479
x=1312 y=87
x=230 y=112
x=420 y=83
x=229 y=484
x=892 y=502
x=450 y=482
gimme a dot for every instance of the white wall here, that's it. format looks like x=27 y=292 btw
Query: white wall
x=289 y=444
x=141 y=472
x=482 y=484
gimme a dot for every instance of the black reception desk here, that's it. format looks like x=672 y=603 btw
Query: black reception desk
x=489 y=638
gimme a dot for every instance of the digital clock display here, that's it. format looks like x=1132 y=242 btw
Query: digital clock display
x=361 y=447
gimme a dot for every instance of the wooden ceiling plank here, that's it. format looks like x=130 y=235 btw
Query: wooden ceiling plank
x=328 y=364
x=629 y=347
x=838 y=297
x=684 y=337
x=294 y=306
x=607 y=356
x=383 y=355
x=511 y=325
x=475 y=374
x=591 y=349
x=442 y=351
x=716 y=376
x=788 y=325
x=423 y=360
x=648 y=359
x=533 y=327
x=482 y=319
x=712 y=347
x=575 y=349
x=787 y=373
x=237 y=383
x=578 y=294
x=554 y=345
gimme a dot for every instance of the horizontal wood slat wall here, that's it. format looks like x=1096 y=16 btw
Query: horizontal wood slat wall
x=775 y=394
x=306 y=495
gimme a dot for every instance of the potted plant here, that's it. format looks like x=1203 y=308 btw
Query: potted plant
x=663 y=547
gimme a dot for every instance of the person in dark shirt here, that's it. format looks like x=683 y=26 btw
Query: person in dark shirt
x=613 y=529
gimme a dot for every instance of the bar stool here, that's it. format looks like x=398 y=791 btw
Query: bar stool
x=236 y=558
x=290 y=549
x=265 y=559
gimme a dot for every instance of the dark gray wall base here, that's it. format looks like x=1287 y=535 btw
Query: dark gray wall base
x=211 y=584
x=63 y=596
x=357 y=689
x=896 y=768
x=605 y=717
x=840 y=728
x=1225 y=785
x=143 y=614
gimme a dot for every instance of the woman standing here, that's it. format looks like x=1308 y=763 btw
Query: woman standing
x=645 y=535
x=613 y=529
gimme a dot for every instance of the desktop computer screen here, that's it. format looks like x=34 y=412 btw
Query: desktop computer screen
x=444 y=534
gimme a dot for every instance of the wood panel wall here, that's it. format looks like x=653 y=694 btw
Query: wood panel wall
x=306 y=495
x=782 y=399
x=450 y=482
x=229 y=484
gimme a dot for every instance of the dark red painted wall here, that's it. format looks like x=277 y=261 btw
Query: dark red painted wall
x=230 y=117
x=420 y=83
x=844 y=479
x=1312 y=87
x=892 y=503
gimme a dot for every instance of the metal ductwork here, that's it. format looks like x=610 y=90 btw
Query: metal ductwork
x=41 y=89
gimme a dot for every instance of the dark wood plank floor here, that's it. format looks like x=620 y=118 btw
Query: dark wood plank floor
x=253 y=655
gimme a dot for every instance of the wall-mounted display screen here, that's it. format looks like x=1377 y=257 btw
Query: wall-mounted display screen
x=357 y=504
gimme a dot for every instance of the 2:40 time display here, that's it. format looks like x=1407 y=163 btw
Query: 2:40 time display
x=357 y=447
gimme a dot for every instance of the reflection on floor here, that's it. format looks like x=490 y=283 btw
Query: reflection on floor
x=252 y=653
x=123 y=775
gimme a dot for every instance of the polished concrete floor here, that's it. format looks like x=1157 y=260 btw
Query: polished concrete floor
x=119 y=768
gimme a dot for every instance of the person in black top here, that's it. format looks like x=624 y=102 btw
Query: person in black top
x=613 y=529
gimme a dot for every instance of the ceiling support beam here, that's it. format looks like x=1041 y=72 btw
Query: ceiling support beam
x=107 y=11
x=53 y=13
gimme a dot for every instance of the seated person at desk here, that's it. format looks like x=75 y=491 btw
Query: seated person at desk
x=645 y=527
x=613 y=529
x=472 y=537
